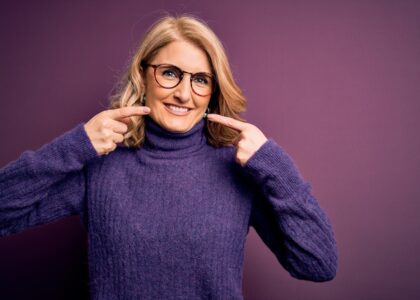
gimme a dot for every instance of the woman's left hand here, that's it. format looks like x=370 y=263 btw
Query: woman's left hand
x=250 y=138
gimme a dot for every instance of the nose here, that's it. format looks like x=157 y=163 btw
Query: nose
x=183 y=89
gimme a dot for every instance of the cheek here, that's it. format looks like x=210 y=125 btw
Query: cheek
x=156 y=94
x=205 y=104
x=153 y=90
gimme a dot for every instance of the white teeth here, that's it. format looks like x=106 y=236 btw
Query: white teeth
x=177 y=108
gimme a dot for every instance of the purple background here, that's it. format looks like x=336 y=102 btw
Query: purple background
x=336 y=83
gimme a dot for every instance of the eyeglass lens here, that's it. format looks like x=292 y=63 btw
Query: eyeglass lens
x=169 y=76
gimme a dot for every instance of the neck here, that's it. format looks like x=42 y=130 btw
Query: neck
x=161 y=141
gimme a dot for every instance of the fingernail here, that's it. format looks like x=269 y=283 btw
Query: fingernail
x=146 y=109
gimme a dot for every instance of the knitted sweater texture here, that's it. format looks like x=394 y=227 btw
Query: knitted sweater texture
x=169 y=220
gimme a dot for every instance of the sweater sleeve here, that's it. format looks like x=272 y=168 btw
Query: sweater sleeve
x=288 y=218
x=47 y=184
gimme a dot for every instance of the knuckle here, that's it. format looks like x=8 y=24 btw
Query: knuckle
x=105 y=122
x=103 y=149
x=106 y=134
x=119 y=138
x=105 y=137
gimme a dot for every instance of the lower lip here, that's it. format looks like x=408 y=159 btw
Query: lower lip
x=178 y=113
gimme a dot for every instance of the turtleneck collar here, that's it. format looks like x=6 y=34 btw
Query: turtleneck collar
x=160 y=141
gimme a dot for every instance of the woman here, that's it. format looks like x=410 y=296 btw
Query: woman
x=169 y=179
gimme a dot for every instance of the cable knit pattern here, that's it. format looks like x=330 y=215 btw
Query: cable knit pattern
x=170 y=220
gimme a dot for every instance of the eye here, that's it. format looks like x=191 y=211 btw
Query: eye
x=169 y=72
x=201 y=79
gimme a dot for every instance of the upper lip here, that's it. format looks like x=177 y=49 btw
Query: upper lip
x=177 y=105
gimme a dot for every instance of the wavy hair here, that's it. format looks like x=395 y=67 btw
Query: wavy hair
x=227 y=99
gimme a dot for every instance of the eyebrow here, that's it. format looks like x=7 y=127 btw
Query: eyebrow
x=201 y=72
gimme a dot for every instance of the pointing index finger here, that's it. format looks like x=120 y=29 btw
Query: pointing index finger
x=230 y=122
x=129 y=111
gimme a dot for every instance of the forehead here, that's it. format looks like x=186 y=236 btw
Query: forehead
x=184 y=55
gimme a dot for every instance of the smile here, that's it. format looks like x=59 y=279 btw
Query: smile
x=177 y=110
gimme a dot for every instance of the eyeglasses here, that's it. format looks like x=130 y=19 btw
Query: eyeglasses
x=169 y=76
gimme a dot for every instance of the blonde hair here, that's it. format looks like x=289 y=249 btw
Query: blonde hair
x=227 y=100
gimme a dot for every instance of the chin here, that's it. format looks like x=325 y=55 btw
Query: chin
x=177 y=126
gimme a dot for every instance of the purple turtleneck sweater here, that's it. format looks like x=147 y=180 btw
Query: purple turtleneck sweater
x=170 y=220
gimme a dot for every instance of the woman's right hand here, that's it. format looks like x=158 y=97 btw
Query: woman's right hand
x=107 y=128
